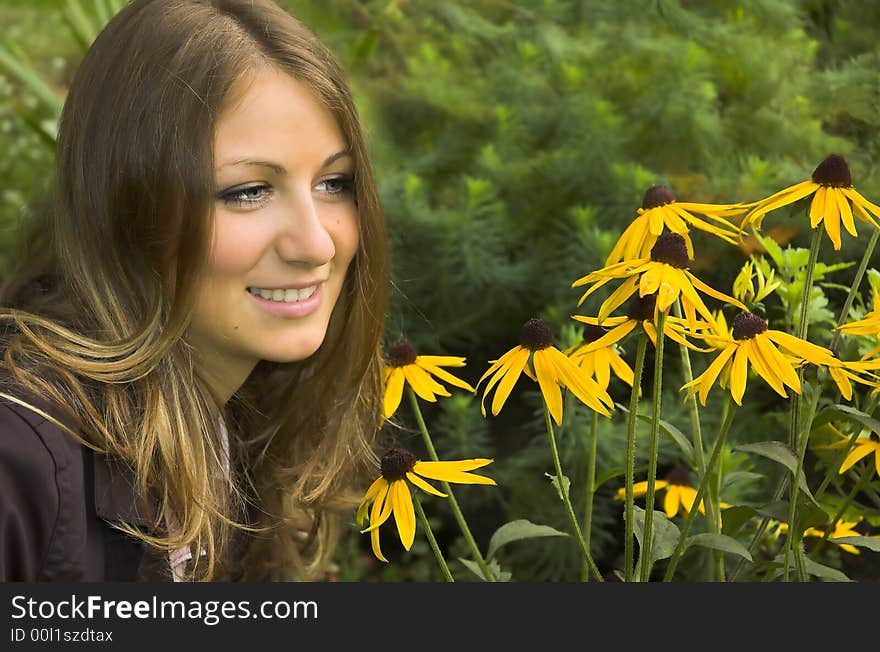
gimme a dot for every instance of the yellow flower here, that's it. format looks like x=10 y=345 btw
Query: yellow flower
x=680 y=495
x=665 y=273
x=599 y=363
x=641 y=310
x=552 y=369
x=841 y=529
x=390 y=492
x=835 y=200
x=405 y=366
x=867 y=325
x=660 y=209
x=864 y=447
x=751 y=342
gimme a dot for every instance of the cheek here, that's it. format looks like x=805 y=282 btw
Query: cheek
x=346 y=237
x=236 y=249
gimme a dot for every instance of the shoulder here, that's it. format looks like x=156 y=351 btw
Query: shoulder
x=40 y=472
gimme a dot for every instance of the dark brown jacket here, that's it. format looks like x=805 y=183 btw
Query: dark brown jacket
x=57 y=500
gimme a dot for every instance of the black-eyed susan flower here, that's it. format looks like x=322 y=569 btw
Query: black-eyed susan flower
x=868 y=325
x=390 y=492
x=680 y=493
x=665 y=272
x=661 y=209
x=841 y=529
x=404 y=366
x=640 y=310
x=835 y=201
x=552 y=369
x=864 y=446
x=599 y=363
x=773 y=354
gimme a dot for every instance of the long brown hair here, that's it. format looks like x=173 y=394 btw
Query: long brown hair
x=95 y=315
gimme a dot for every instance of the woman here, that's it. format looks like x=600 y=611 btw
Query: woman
x=191 y=362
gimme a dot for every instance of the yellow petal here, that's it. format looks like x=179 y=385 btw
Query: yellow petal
x=854 y=456
x=444 y=375
x=371 y=493
x=404 y=513
x=621 y=294
x=739 y=373
x=764 y=369
x=512 y=374
x=546 y=373
x=817 y=207
x=423 y=385
x=381 y=508
x=435 y=470
x=784 y=370
x=708 y=377
x=846 y=215
x=424 y=486
x=670 y=502
x=832 y=217
x=440 y=360
x=581 y=385
x=393 y=392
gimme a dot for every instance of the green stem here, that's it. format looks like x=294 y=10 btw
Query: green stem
x=630 y=453
x=645 y=554
x=572 y=519
x=801 y=333
x=591 y=488
x=729 y=411
x=853 y=290
x=456 y=510
x=864 y=478
x=691 y=400
x=792 y=544
x=431 y=540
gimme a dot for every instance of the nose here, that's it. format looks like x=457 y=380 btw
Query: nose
x=303 y=236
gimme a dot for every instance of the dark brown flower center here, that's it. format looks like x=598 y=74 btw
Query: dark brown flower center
x=671 y=249
x=593 y=332
x=834 y=172
x=535 y=335
x=642 y=308
x=746 y=325
x=657 y=196
x=396 y=463
x=401 y=354
x=679 y=475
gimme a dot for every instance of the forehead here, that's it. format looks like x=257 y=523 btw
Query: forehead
x=275 y=115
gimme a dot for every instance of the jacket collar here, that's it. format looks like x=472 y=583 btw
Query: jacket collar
x=115 y=495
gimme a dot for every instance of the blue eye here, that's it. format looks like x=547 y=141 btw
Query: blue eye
x=250 y=196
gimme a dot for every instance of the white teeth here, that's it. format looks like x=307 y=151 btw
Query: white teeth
x=286 y=296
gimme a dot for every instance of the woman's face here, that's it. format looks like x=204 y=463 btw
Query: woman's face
x=285 y=231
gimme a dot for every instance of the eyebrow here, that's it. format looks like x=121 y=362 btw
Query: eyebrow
x=278 y=168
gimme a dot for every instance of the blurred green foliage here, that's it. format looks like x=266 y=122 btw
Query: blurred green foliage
x=512 y=143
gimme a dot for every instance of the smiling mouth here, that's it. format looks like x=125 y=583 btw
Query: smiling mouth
x=284 y=296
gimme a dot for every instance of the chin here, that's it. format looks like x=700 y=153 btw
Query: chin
x=299 y=349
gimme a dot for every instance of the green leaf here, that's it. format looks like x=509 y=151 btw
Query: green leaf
x=517 y=530
x=814 y=568
x=499 y=574
x=665 y=533
x=670 y=431
x=847 y=413
x=608 y=475
x=19 y=69
x=719 y=542
x=563 y=489
x=808 y=514
x=778 y=452
x=734 y=518
x=740 y=476
x=863 y=542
